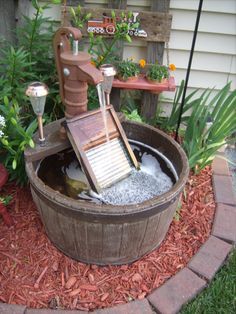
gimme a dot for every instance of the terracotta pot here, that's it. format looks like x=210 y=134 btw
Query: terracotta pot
x=163 y=81
x=156 y=82
x=131 y=78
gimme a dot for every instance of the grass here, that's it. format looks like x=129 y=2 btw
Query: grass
x=220 y=296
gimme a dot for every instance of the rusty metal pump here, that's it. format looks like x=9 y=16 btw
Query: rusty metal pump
x=74 y=71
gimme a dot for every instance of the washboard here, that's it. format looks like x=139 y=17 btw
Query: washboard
x=104 y=162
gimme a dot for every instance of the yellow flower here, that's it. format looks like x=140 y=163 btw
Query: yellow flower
x=132 y=59
x=93 y=62
x=172 y=67
x=142 y=63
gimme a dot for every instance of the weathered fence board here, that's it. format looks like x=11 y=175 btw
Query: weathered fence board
x=157 y=25
x=7 y=20
x=155 y=51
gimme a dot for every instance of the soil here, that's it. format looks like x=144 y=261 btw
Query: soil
x=34 y=273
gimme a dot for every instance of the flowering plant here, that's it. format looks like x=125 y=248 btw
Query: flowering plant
x=157 y=72
x=2 y=126
x=142 y=63
x=127 y=68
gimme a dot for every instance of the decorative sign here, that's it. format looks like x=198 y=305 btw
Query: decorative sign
x=107 y=26
x=155 y=26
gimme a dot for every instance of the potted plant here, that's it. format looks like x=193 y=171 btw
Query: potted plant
x=157 y=73
x=127 y=70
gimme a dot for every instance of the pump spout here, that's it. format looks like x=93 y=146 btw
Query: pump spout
x=88 y=73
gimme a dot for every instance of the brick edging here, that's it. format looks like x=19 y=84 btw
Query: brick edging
x=186 y=284
x=192 y=279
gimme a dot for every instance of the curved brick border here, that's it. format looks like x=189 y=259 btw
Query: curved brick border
x=186 y=284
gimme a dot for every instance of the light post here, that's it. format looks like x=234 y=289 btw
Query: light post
x=108 y=72
x=37 y=93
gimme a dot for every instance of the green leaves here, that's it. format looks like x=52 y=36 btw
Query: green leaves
x=134 y=115
x=78 y=18
x=14 y=164
x=212 y=119
x=15 y=139
x=14 y=71
x=170 y=123
x=127 y=68
x=103 y=50
x=13 y=121
x=128 y=38
x=157 y=72
x=202 y=141
x=56 y=1
x=31 y=59
x=31 y=143
x=5 y=199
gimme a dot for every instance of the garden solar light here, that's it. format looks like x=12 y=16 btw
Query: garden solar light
x=37 y=93
x=108 y=72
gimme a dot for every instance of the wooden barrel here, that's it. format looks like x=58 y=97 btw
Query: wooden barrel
x=106 y=234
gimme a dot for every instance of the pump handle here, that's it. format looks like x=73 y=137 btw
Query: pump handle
x=61 y=43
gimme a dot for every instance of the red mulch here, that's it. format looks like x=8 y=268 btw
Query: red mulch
x=33 y=272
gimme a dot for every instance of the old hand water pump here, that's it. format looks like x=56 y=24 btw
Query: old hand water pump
x=75 y=71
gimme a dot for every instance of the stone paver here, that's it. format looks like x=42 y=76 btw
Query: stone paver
x=224 y=225
x=181 y=288
x=12 y=309
x=48 y=311
x=134 y=307
x=223 y=189
x=210 y=257
x=220 y=167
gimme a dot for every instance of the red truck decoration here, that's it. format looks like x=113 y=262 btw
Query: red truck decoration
x=107 y=26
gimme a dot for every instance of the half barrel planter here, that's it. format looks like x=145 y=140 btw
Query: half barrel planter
x=106 y=234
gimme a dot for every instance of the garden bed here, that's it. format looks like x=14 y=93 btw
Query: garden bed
x=34 y=273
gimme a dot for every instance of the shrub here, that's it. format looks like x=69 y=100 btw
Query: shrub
x=14 y=138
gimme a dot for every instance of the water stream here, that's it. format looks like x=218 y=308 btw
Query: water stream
x=102 y=103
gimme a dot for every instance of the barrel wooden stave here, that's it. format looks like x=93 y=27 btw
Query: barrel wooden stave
x=103 y=243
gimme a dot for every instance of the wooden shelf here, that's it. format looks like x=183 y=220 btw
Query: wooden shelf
x=142 y=83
